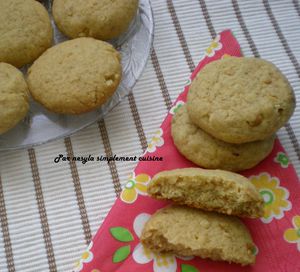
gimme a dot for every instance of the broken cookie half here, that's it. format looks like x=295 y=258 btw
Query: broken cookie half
x=211 y=190
x=191 y=232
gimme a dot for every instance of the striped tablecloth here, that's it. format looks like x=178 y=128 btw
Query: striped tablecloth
x=49 y=211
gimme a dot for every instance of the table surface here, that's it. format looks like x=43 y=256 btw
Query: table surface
x=50 y=211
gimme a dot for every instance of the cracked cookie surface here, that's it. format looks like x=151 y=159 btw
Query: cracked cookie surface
x=240 y=100
x=75 y=76
x=206 y=151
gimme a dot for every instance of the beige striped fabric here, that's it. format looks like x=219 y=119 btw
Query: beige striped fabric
x=49 y=212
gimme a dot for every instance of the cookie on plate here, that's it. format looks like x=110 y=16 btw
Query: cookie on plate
x=25 y=31
x=239 y=100
x=14 y=99
x=209 y=152
x=211 y=190
x=75 y=76
x=190 y=232
x=102 y=20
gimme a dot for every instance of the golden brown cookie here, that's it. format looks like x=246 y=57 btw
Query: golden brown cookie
x=211 y=190
x=239 y=100
x=102 y=20
x=13 y=97
x=75 y=76
x=25 y=31
x=209 y=152
x=190 y=232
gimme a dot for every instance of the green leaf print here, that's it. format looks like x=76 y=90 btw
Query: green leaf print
x=121 y=254
x=121 y=234
x=188 y=268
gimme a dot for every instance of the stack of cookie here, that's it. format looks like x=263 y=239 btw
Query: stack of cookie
x=72 y=77
x=234 y=108
x=203 y=226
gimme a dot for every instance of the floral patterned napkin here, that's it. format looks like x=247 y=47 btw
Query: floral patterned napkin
x=116 y=246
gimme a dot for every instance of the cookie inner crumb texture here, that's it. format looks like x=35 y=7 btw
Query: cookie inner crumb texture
x=212 y=190
x=189 y=232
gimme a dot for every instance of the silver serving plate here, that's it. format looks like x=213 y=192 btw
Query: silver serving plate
x=41 y=126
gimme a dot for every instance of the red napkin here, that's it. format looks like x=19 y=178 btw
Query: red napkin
x=116 y=246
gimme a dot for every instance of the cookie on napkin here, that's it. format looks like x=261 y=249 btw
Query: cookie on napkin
x=211 y=190
x=240 y=100
x=206 y=151
x=190 y=232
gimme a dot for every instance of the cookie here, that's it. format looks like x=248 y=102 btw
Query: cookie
x=211 y=190
x=239 y=100
x=75 y=76
x=102 y=20
x=190 y=232
x=209 y=152
x=25 y=31
x=14 y=99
